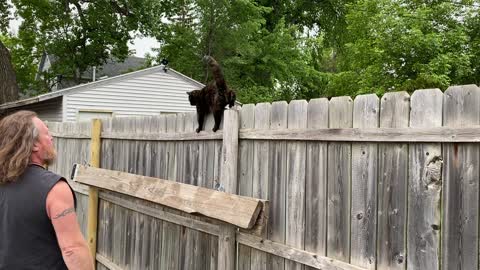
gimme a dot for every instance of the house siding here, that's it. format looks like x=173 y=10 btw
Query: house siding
x=148 y=94
x=48 y=110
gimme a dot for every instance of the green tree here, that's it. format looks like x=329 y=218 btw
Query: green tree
x=261 y=64
x=83 y=33
x=4 y=15
x=404 y=45
x=325 y=17
x=473 y=29
x=180 y=39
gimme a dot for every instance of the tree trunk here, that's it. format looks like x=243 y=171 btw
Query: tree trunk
x=8 y=80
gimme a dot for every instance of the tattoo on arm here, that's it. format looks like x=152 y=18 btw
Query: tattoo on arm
x=64 y=213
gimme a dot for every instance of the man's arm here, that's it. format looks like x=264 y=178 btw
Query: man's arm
x=61 y=211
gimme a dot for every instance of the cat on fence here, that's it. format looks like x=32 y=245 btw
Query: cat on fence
x=213 y=97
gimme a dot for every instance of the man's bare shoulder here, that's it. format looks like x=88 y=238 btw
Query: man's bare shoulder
x=60 y=200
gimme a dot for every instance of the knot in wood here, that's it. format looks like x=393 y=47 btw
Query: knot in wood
x=399 y=258
x=433 y=171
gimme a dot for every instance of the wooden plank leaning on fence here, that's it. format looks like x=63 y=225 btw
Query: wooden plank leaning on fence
x=232 y=210
x=237 y=210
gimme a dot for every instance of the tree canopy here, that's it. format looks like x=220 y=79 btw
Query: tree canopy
x=269 y=50
x=407 y=45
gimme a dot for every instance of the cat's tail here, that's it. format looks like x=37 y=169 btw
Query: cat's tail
x=217 y=73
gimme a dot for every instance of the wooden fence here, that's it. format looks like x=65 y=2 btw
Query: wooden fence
x=378 y=183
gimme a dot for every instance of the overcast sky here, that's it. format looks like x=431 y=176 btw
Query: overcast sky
x=143 y=46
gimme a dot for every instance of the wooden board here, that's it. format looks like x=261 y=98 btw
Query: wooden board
x=229 y=169
x=316 y=181
x=150 y=209
x=295 y=203
x=230 y=208
x=377 y=135
x=119 y=233
x=106 y=263
x=424 y=185
x=191 y=160
x=392 y=186
x=276 y=228
x=171 y=166
x=366 y=113
x=149 y=155
x=81 y=211
x=217 y=163
x=296 y=255
x=460 y=182
x=339 y=180
x=245 y=175
x=170 y=255
x=160 y=165
x=106 y=229
x=229 y=174
x=159 y=170
x=207 y=249
x=129 y=135
x=260 y=173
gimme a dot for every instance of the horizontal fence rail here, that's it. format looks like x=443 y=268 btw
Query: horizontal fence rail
x=411 y=135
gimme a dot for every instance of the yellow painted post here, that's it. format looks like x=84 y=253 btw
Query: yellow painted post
x=95 y=146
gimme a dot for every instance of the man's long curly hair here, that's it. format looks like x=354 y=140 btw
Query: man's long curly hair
x=18 y=133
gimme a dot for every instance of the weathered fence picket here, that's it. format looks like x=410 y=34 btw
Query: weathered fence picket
x=339 y=179
x=316 y=181
x=276 y=228
x=392 y=185
x=366 y=113
x=295 y=204
x=424 y=184
x=245 y=175
x=461 y=177
x=260 y=173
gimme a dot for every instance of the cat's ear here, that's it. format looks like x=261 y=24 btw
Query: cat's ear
x=189 y=93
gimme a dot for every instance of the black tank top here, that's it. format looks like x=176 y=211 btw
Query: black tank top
x=27 y=237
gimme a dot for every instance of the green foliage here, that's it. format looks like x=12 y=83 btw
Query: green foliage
x=80 y=33
x=473 y=30
x=269 y=50
x=406 y=45
x=24 y=61
x=261 y=64
x=4 y=16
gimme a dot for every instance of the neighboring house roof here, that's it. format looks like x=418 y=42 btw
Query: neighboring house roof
x=111 y=68
x=114 y=67
x=90 y=85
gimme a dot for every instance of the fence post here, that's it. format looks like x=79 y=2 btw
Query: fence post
x=228 y=179
x=95 y=146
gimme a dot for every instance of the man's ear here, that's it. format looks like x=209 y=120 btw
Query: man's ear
x=35 y=147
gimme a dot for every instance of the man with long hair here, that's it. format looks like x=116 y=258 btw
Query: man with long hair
x=38 y=224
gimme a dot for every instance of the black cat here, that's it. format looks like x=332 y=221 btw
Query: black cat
x=213 y=97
